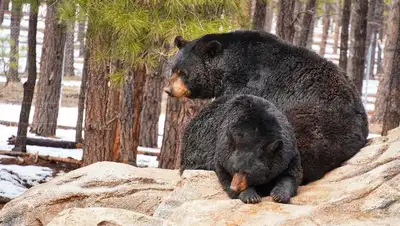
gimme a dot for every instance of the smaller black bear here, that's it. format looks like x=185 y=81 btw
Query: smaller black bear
x=255 y=148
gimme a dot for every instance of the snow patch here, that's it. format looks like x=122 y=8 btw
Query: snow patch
x=15 y=179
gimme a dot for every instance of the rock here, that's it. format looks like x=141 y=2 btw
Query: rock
x=188 y=189
x=98 y=216
x=363 y=191
x=103 y=184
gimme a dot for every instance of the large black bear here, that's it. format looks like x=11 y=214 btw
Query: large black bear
x=319 y=100
x=255 y=151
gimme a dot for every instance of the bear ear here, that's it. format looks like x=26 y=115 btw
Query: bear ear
x=274 y=146
x=180 y=42
x=212 y=48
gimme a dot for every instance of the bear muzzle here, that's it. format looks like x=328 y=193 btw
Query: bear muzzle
x=177 y=87
x=239 y=182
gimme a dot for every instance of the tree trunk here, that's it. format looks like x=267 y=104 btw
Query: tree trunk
x=29 y=85
x=325 y=30
x=371 y=37
x=131 y=108
x=259 y=17
x=81 y=37
x=269 y=16
x=379 y=18
x=178 y=115
x=360 y=33
x=49 y=85
x=344 y=36
x=307 y=23
x=337 y=28
x=391 y=117
x=152 y=107
x=3 y=7
x=298 y=15
x=16 y=14
x=69 y=51
x=82 y=94
x=284 y=25
x=100 y=103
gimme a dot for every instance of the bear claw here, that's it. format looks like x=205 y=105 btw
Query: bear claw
x=279 y=197
x=249 y=197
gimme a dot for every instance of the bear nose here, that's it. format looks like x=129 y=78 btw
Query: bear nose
x=168 y=90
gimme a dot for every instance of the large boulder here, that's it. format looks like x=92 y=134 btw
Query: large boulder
x=365 y=190
x=103 y=184
x=103 y=217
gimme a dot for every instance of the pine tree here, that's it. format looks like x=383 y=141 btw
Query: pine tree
x=49 y=85
x=16 y=14
x=29 y=85
x=307 y=23
x=138 y=32
x=360 y=34
x=3 y=7
x=284 y=25
x=391 y=80
x=344 y=36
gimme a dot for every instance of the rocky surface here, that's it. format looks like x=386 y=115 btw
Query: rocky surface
x=365 y=190
x=103 y=217
x=104 y=184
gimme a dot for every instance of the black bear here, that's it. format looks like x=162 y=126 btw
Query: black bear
x=319 y=100
x=255 y=149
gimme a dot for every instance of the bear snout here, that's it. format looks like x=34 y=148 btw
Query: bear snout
x=239 y=182
x=177 y=87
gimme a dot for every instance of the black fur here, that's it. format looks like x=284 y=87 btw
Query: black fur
x=319 y=100
x=255 y=138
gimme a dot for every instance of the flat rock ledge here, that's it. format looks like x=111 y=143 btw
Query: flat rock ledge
x=365 y=190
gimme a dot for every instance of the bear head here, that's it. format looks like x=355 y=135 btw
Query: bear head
x=251 y=157
x=196 y=71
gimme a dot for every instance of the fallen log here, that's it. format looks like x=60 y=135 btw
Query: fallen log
x=42 y=157
x=47 y=142
x=70 y=145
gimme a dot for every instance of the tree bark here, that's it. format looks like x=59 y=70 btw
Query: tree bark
x=337 y=28
x=29 y=85
x=297 y=15
x=81 y=37
x=100 y=104
x=371 y=37
x=16 y=14
x=152 y=107
x=82 y=94
x=391 y=116
x=131 y=108
x=325 y=30
x=285 y=25
x=3 y=7
x=344 y=36
x=178 y=115
x=269 y=16
x=49 y=85
x=379 y=18
x=307 y=23
x=259 y=17
x=360 y=33
x=69 y=51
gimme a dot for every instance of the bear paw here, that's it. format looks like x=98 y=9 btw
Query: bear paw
x=280 y=195
x=249 y=196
